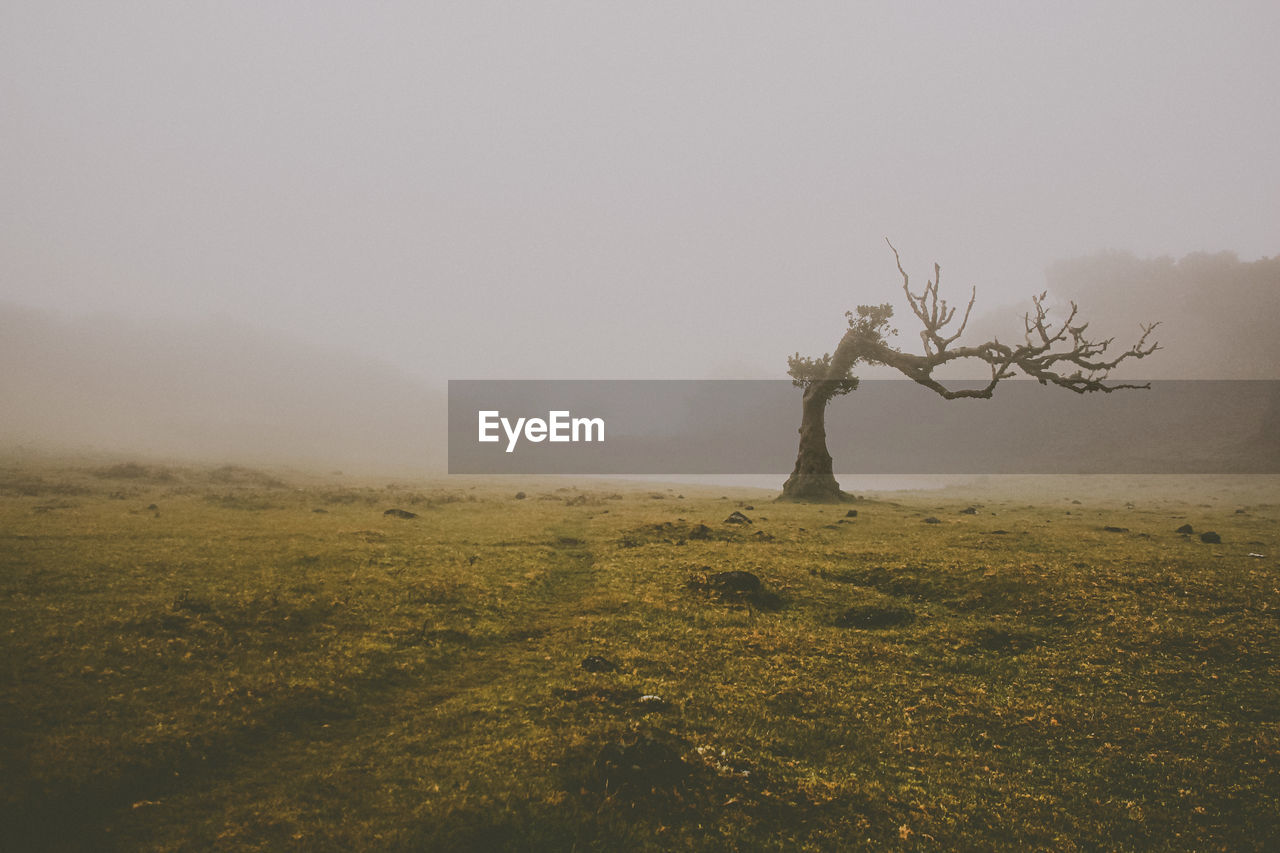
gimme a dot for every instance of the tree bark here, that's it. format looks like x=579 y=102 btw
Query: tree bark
x=812 y=480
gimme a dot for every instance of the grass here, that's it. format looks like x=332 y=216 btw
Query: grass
x=202 y=659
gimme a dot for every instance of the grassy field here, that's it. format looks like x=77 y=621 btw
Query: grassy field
x=225 y=659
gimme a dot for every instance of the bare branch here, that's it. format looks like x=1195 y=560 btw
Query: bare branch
x=933 y=313
x=1052 y=353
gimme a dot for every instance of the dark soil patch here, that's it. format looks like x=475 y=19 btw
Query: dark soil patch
x=445 y=635
x=736 y=587
x=639 y=764
x=874 y=617
x=676 y=533
x=606 y=696
x=1006 y=640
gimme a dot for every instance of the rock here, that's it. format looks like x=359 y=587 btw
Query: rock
x=595 y=663
x=321 y=509
x=999 y=533
x=1111 y=529
x=400 y=513
x=521 y=496
x=152 y=507
x=735 y=581
x=736 y=517
x=764 y=537
x=748 y=507
x=932 y=520
x=1211 y=537
x=736 y=587
x=1186 y=528
x=969 y=510
x=853 y=513
x=873 y=616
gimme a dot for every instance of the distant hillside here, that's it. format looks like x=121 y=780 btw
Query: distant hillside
x=213 y=390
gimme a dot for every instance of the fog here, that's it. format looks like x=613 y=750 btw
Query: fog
x=276 y=230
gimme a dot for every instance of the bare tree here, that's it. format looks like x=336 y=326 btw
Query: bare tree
x=1059 y=353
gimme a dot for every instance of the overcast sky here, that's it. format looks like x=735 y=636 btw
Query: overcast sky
x=606 y=189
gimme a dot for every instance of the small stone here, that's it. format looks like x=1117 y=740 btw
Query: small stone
x=400 y=513
x=652 y=702
x=595 y=663
x=1210 y=537
x=1186 y=528
x=736 y=517
x=853 y=513
x=932 y=520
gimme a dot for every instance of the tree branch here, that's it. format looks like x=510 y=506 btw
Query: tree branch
x=1051 y=353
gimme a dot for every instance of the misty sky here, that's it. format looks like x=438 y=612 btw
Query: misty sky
x=608 y=190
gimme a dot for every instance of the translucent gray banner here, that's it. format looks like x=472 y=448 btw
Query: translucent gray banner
x=699 y=427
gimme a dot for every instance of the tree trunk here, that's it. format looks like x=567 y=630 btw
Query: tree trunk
x=813 y=480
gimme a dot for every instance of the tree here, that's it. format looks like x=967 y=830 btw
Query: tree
x=1060 y=354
